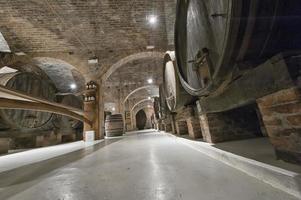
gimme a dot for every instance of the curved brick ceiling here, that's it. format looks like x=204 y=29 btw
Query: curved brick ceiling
x=61 y=73
x=109 y=30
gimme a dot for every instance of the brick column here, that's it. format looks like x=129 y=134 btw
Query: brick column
x=58 y=138
x=181 y=127
x=92 y=103
x=4 y=145
x=230 y=125
x=173 y=125
x=194 y=128
x=168 y=127
x=39 y=141
x=281 y=113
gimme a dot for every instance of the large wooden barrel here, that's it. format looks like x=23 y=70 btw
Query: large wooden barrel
x=156 y=105
x=141 y=119
x=33 y=85
x=215 y=37
x=64 y=122
x=114 y=125
x=163 y=109
x=176 y=95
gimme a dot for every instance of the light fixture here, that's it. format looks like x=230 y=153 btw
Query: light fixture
x=149 y=47
x=20 y=53
x=113 y=109
x=150 y=81
x=152 y=19
x=73 y=86
x=93 y=60
x=149 y=98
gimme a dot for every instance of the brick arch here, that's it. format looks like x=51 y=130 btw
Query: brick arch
x=61 y=72
x=140 y=102
x=133 y=112
x=141 y=106
x=131 y=58
x=137 y=90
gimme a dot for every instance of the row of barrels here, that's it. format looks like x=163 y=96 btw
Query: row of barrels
x=213 y=39
x=29 y=120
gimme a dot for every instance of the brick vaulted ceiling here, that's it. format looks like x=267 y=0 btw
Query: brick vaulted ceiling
x=76 y=30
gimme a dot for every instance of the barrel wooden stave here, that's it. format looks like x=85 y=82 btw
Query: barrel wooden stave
x=176 y=95
x=213 y=38
x=114 y=125
x=33 y=85
x=163 y=108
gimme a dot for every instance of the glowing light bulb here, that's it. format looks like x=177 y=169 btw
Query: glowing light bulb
x=152 y=19
x=73 y=86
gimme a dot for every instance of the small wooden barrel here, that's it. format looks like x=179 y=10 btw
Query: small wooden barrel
x=35 y=86
x=114 y=125
x=176 y=96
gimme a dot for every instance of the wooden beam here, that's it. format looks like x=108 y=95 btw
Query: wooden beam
x=9 y=93
x=37 y=106
x=265 y=79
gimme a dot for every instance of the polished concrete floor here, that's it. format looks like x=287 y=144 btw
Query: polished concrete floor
x=140 y=166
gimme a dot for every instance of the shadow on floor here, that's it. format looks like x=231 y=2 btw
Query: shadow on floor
x=259 y=149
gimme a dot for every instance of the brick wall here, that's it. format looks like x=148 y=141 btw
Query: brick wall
x=181 y=127
x=240 y=123
x=281 y=114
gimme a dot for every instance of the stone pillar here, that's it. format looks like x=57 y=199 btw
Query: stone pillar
x=92 y=105
x=194 y=128
x=4 y=145
x=281 y=113
x=181 y=127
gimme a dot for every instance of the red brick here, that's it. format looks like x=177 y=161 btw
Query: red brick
x=287 y=108
x=294 y=120
x=283 y=96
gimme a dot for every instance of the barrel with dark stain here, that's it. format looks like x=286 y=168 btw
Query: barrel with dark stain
x=141 y=119
x=176 y=96
x=114 y=125
x=35 y=86
x=215 y=38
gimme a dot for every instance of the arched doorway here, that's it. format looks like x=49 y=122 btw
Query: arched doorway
x=141 y=119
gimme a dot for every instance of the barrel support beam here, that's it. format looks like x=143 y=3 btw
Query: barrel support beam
x=26 y=105
x=265 y=79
